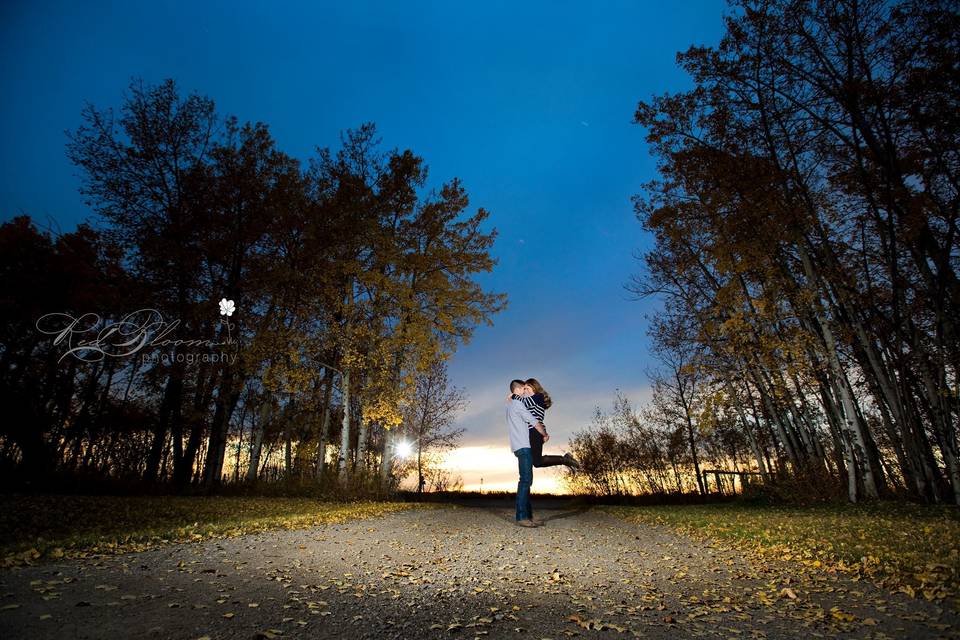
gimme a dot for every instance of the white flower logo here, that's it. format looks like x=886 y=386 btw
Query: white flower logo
x=226 y=307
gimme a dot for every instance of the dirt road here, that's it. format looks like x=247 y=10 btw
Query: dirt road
x=451 y=572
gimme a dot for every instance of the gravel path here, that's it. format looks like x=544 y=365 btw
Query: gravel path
x=450 y=572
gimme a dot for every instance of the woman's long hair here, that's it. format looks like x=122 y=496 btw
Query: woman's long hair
x=538 y=388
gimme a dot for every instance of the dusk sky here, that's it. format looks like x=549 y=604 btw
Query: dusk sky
x=529 y=104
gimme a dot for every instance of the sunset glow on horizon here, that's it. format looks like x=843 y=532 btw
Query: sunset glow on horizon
x=494 y=468
x=497 y=467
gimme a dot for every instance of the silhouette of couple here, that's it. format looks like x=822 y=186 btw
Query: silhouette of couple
x=526 y=405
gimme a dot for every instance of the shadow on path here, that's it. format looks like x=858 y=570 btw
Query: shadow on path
x=551 y=514
x=547 y=508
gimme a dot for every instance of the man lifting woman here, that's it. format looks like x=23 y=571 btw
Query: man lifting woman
x=526 y=406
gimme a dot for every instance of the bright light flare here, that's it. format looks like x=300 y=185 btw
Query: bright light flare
x=404 y=449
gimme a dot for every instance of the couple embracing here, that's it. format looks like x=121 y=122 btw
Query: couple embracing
x=526 y=406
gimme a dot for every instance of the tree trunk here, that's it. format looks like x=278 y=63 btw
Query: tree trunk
x=325 y=427
x=690 y=435
x=263 y=418
x=171 y=399
x=236 y=461
x=227 y=399
x=386 y=460
x=202 y=394
x=345 y=427
x=363 y=439
x=290 y=421
x=851 y=413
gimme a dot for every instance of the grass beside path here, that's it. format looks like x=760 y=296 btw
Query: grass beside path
x=37 y=528
x=910 y=548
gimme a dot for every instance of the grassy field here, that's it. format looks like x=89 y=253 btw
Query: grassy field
x=911 y=548
x=35 y=528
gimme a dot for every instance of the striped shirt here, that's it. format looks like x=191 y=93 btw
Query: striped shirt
x=535 y=404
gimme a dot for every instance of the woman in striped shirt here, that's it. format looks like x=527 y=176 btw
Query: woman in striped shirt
x=537 y=400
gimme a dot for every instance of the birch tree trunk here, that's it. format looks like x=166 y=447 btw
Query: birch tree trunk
x=363 y=436
x=345 y=427
x=386 y=461
x=751 y=437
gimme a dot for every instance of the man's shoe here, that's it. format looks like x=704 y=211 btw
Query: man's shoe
x=526 y=523
x=570 y=461
x=537 y=521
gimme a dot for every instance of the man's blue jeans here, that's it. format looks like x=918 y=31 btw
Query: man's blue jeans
x=525 y=461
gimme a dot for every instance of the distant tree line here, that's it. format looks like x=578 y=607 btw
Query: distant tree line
x=344 y=285
x=806 y=250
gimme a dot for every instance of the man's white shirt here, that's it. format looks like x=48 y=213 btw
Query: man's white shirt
x=519 y=420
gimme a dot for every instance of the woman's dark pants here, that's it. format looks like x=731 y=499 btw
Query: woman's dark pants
x=536 y=452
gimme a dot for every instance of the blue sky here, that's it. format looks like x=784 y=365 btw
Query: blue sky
x=529 y=104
